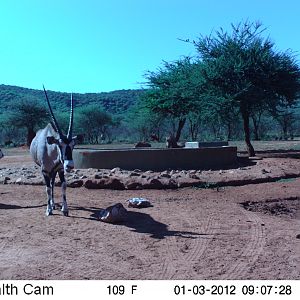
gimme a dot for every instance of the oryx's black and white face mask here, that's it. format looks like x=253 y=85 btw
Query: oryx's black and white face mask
x=65 y=151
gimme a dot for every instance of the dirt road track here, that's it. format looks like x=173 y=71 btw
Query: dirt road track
x=188 y=234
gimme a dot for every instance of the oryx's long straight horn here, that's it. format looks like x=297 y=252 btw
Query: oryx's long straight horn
x=69 y=135
x=52 y=115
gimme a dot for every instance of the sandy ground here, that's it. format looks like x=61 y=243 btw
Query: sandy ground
x=245 y=232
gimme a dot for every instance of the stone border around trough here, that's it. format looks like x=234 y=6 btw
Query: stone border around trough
x=260 y=171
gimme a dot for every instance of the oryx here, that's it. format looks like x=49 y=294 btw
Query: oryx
x=52 y=151
x=1 y=154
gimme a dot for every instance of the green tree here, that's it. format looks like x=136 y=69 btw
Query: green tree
x=285 y=117
x=145 y=122
x=173 y=91
x=29 y=114
x=245 y=69
x=94 y=123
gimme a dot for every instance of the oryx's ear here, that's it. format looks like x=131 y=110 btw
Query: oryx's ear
x=51 y=140
x=75 y=139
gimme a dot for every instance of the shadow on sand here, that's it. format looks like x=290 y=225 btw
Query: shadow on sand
x=137 y=221
x=143 y=223
x=13 y=206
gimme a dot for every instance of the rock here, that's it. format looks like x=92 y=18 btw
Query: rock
x=115 y=184
x=138 y=203
x=133 y=185
x=165 y=175
x=134 y=173
x=75 y=183
x=113 y=214
x=183 y=184
x=142 y=145
x=94 y=184
x=149 y=172
x=4 y=180
x=194 y=176
x=172 y=172
x=37 y=181
x=31 y=176
x=114 y=170
x=109 y=183
x=154 y=183
x=176 y=176
x=172 y=184
x=18 y=180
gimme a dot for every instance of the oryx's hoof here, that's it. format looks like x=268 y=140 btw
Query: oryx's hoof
x=49 y=213
x=66 y=213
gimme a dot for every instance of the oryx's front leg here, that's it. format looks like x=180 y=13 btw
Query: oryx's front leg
x=49 y=208
x=52 y=202
x=64 y=207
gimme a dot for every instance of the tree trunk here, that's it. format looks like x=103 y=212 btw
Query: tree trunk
x=179 y=128
x=256 y=136
x=250 y=149
x=285 y=129
x=30 y=136
x=193 y=131
x=215 y=132
x=194 y=126
x=255 y=128
x=229 y=131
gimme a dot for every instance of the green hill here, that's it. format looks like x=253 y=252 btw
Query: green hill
x=115 y=102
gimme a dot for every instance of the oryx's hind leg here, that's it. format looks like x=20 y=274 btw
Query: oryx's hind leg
x=49 y=208
x=64 y=206
x=52 y=183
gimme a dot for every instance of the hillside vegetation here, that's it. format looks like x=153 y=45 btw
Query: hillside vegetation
x=115 y=102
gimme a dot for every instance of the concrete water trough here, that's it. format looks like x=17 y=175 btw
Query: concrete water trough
x=156 y=159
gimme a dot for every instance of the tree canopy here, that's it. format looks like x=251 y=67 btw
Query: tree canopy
x=28 y=114
x=94 y=122
x=175 y=91
x=237 y=72
x=245 y=69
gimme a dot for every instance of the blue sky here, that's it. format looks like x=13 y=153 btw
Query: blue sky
x=103 y=45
